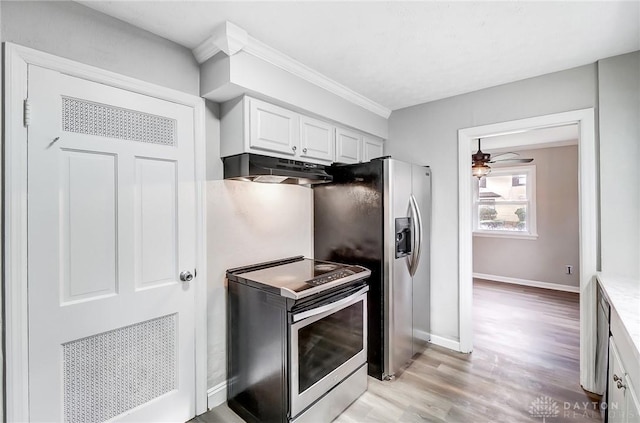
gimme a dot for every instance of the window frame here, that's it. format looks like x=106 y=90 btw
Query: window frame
x=532 y=229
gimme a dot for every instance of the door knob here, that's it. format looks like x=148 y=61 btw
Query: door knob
x=186 y=276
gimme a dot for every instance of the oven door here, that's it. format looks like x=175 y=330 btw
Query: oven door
x=328 y=343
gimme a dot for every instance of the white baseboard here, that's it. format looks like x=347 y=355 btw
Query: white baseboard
x=217 y=395
x=526 y=282
x=422 y=335
x=445 y=342
x=437 y=340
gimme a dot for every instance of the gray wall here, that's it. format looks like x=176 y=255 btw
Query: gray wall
x=542 y=259
x=73 y=31
x=619 y=112
x=427 y=133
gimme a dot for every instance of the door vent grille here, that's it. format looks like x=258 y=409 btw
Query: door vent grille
x=86 y=117
x=113 y=372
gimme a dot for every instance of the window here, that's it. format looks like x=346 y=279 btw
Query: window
x=505 y=203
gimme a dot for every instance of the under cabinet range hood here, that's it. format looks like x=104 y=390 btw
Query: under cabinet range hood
x=257 y=168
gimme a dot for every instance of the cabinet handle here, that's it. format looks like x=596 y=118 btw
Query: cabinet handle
x=304 y=150
x=621 y=385
x=294 y=148
x=616 y=377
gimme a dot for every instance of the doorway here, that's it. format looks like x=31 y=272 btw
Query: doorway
x=525 y=226
x=588 y=206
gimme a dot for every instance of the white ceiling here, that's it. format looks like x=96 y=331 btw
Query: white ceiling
x=405 y=53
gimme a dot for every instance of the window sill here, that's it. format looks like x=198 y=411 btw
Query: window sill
x=505 y=234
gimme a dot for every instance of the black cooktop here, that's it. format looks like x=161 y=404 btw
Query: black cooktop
x=298 y=277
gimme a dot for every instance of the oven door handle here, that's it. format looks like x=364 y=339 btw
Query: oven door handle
x=334 y=305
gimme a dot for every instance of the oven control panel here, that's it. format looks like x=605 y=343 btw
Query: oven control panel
x=329 y=278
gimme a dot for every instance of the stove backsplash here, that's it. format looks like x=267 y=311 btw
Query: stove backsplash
x=249 y=223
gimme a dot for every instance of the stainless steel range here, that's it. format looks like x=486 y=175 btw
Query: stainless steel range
x=296 y=339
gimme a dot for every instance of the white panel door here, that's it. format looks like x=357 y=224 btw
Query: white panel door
x=348 y=146
x=111 y=218
x=273 y=128
x=317 y=140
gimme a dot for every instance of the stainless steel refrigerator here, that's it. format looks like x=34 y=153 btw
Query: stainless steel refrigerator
x=377 y=214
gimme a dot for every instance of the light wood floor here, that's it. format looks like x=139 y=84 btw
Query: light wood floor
x=526 y=346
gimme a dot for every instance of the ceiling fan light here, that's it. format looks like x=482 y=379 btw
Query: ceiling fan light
x=480 y=169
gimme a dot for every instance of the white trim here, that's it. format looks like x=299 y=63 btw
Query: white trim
x=588 y=210
x=200 y=318
x=446 y=342
x=262 y=51
x=217 y=395
x=17 y=59
x=422 y=335
x=15 y=239
x=436 y=340
x=227 y=37
x=505 y=234
x=527 y=282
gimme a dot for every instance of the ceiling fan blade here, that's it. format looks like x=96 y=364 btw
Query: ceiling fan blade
x=511 y=161
x=506 y=154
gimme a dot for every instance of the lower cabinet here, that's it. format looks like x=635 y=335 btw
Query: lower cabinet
x=622 y=401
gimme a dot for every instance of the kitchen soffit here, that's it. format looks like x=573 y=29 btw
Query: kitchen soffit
x=400 y=54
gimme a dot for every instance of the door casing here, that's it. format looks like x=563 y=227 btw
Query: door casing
x=14 y=256
x=588 y=225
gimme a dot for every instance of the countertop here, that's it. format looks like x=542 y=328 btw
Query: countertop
x=624 y=296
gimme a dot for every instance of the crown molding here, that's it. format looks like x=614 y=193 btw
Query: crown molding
x=281 y=60
x=231 y=39
x=228 y=37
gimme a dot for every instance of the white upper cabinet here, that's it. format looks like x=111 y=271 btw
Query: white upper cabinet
x=273 y=128
x=371 y=148
x=317 y=140
x=348 y=146
x=249 y=125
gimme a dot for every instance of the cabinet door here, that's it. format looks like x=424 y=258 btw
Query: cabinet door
x=348 y=146
x=371 y=148
x=633 y=405
x=616 y=396
x=273 y=128
x=317 y=140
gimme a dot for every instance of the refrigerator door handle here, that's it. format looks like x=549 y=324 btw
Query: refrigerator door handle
x=417 y=231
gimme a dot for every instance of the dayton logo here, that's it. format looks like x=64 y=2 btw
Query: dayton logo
x=544 y=407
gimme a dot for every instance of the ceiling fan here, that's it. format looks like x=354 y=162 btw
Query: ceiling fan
x=479 y=160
